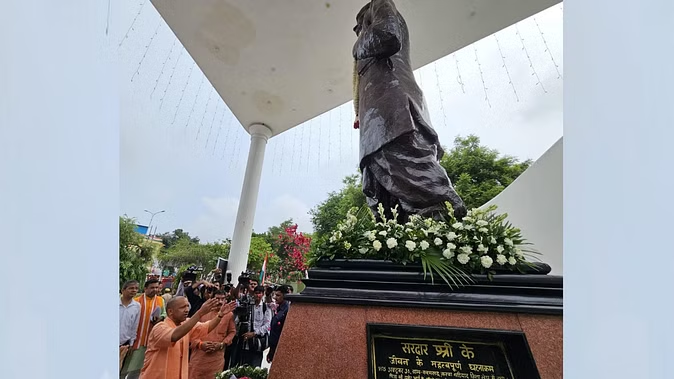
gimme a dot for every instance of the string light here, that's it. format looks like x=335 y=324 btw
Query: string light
x=147 y=48
x=182 y=95
x=231 y=118
x=156 y=82
x=229 y=127
x=309 y=148
x=303 y=126
x=510 y=81
x=442 y=102
x=292 y=159
x=458 y=78
x=161 y=101
x=547 y=49
x=531 y=63
x=484 y=86
x=339 y=130
x=208 y=102
x=132 y=24
x=222 y=117
x=201 y=83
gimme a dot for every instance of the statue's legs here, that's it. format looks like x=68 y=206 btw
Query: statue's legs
x=407 y=173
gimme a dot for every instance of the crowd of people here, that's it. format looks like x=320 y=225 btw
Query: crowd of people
x=206 y=327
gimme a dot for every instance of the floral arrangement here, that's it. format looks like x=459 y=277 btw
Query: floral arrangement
x=292 y=249
x=243 y=372
x=483 y=242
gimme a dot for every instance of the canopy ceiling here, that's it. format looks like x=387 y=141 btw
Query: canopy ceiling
x=283 y=62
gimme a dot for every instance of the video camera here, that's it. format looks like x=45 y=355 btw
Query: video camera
x=243 y=311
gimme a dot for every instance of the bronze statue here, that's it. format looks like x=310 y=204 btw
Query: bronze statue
x=399 y=150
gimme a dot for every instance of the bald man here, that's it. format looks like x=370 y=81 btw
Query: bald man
x=168 y=345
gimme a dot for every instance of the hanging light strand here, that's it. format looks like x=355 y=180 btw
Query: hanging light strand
x=531 y=63
x=547 y=49
x=147 y=48
x=161 y=101
x=505 y=66
x=208 y=102
x=201 y=83
x=222 y=117
x=132 y=24
x=182 y=94
x=458 y=71
x=484 y=86
x=161 y=73
x=442 y=102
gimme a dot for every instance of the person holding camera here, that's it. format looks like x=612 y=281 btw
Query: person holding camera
x=254 y=338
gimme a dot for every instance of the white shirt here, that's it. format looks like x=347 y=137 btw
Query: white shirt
x=261 y=322
x=129 y=316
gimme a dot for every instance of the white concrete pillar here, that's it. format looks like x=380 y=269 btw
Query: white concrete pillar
x=238 y=255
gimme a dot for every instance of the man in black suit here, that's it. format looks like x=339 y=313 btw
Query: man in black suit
x=399 y=150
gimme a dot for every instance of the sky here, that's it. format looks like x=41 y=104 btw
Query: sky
x=182 y=151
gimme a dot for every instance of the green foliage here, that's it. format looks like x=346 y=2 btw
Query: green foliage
x=184 y=251
x=479 y=173
x=135 y=253
x=244 y=372
x=326 y=215
x=178 y=235
x=479 y=244
x=259 y=247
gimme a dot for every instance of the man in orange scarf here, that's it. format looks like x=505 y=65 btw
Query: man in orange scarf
x=168 y=345
x=152 y=311
x=208 y=358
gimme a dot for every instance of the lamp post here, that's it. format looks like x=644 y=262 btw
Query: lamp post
x=149 y=226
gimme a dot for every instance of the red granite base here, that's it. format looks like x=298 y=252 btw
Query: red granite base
x=329 y=341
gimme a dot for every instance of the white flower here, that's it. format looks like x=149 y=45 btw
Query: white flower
x=410 y=245
x=463 y=258
x=382 y=233
x=457 y=226
x=467 y=219
x=451 y=246
x=483 y=230
x=425 y=232
x=451 y=236
x=391 y=243
x=363 y=250
x=332 y=239
x=512 y=261
x=370 y=235
x=338 y=235
x=347 y=245
x=408 y=230
x=519 y=253
x=447 y=253
x=486 y=261
x=508 y=241
x=469 y=227
x=482 y=249
x=499 y=249
x=428 y=222
x=501 y=259
x=482 y=223
x=437 y=242
x=466 y=249
x=376 y=245
x=424 y=245
x=492 y=240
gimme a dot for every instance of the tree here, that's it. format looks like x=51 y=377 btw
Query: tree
x=170 y=239
x=326 y=215
x=187 y=252
x=135 y=253
x=478 y=172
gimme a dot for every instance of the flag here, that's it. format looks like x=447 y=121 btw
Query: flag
x=263 y=272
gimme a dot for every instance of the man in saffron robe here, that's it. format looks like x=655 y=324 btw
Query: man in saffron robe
x=152 y=311
x=399 y=150
x=208 y=357
x=168 y=346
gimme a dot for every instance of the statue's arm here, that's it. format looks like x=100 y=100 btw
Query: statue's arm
x=382 y=38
